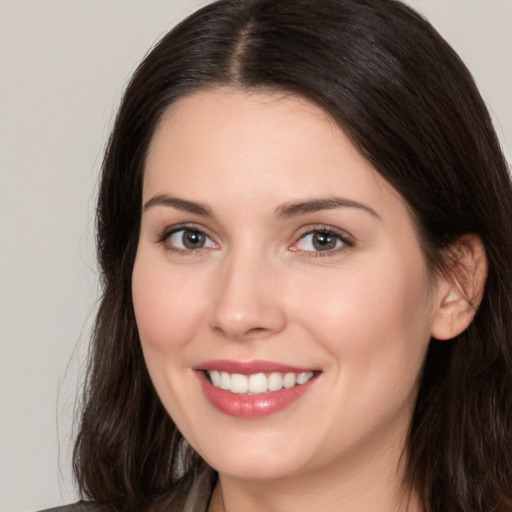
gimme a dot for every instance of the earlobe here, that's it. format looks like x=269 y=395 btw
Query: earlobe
x=460 y=287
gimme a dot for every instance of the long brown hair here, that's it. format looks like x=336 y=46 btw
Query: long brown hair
x=411 y=107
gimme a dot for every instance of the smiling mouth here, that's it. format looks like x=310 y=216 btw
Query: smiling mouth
x=253 y=389
x=257 y=383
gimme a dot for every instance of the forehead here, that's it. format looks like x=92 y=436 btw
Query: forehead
x=250 y=145
x=230 y=120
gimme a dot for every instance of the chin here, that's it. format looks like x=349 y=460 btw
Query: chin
x=255 y=469
x=255 y=459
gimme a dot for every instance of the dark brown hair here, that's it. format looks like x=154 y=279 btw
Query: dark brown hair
x=411 y=107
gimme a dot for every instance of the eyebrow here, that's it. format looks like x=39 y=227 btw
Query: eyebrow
x=179 y=204
x=284 y=211
x=314 y=205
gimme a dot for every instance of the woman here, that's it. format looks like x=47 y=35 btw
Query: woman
x=304 y=234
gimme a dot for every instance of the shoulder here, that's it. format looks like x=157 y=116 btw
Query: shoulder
x=75 y=507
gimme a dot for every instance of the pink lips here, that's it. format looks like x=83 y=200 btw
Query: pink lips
x=250 y=406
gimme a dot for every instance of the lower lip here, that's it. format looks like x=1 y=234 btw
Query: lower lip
x=251 y=406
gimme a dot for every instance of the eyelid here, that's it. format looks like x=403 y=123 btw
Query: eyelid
x=164 y=235
x=346 y=238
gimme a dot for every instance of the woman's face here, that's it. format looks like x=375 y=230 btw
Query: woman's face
x=276 y=262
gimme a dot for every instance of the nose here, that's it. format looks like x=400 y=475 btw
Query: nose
x=248 y=301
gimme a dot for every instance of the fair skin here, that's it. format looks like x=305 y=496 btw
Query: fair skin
x=266 y=236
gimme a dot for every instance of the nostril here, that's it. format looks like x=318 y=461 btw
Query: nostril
x=257 y=332
x=239 y=318
x=243 y=334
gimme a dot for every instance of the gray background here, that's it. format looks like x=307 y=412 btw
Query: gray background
x=63 y=66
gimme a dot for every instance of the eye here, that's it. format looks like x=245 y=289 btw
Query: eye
x=321 y=241
x=189 y=240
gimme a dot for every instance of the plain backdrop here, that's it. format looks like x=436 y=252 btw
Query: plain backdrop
x=63 y=67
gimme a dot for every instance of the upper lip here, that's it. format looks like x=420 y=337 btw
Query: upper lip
x=250 y=367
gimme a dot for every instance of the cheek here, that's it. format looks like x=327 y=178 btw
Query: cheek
x=375 y=322
x=167 y=308
x=167 y=305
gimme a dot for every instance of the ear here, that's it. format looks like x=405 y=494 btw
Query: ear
x=460 y=288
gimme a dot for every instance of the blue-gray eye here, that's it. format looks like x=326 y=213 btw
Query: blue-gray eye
x=190 y=239
x=320 y=241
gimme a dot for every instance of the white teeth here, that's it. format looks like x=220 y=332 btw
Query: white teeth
x=215 y=378
x=275 y=381
x=225 y=380
x=257 y=383
x=239 y=383
x=302 y=378
x=289 y=380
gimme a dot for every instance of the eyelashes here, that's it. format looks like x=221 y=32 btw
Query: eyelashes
x=183 y=239
x=191 y=239
x=320 y=240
